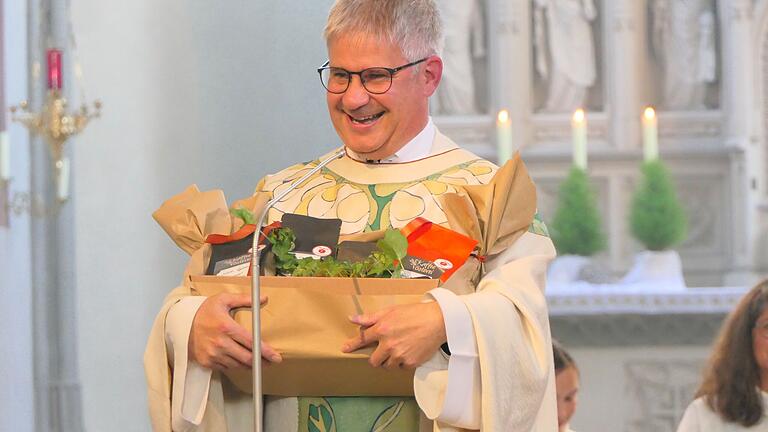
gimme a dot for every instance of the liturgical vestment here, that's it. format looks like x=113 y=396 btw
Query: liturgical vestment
x=507 y=375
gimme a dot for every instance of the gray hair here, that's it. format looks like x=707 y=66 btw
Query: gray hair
x=413 y=25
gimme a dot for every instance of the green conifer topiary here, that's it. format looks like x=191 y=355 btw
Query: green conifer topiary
x=576 y=227
x=657 y=219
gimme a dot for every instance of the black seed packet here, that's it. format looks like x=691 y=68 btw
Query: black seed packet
x=234 y=258
x=231 y=259
x=415 y=267
x=315 y=237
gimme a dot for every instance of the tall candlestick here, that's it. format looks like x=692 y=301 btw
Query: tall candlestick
x=579 y=130
x=54 y=69
x=503 y=137
x=650 y=135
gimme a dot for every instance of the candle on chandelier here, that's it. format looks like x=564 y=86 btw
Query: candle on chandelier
x=5 y=157
x=503 y=137
x=650 y=135
x=54 y=69
x=579 y=131
x=62 y=186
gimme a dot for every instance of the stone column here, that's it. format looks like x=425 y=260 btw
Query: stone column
x=510 y=65
x=738 y=107
x=622 y=37
x=57 y=388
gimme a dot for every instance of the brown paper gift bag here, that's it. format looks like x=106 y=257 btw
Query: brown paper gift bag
x=305 y=319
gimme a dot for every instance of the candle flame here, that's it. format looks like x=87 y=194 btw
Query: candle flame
x=503 y=116
x=578 y=115
x=649 y=113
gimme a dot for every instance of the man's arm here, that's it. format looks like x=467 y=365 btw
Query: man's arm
x=512 y=293
x=201 y=336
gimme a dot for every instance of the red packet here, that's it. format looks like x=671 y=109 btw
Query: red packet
x=446 y=248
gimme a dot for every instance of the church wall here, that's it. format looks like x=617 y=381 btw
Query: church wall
x=16 y=413
x=193 y=93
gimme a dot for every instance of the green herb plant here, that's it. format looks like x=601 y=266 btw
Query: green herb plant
x=386 y=262
x=244 y=214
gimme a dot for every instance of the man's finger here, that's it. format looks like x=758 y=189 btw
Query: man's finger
x=368 y=336
x=392 y=363
x=366 y=320
x=236 y=300
x=240 y=334
x=269 y=353
x=226 y=362
x=238 y=352
x=379 y=356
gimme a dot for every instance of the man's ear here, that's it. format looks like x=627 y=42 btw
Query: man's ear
x=432 y=74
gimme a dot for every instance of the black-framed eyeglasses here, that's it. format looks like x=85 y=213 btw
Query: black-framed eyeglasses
x=376 y=80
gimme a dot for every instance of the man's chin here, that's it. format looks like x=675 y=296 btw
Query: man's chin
x=364 y=149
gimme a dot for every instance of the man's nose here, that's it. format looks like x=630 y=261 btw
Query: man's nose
x=356 y=95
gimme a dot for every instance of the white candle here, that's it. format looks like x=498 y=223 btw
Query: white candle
x=5 y=156
x=579 y=130
x=62 y=186
x=650 y=135
x=503 y=137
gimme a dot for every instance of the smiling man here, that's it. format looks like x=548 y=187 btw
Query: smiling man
x=480 y=344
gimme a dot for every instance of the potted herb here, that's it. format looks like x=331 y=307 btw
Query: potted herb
x=658 y=222
x=576 y=229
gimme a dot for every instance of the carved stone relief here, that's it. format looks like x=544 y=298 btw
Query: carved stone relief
x=702 y=197
x=684 y=46
x=464 y=86
x=566 y=43
x=658 y=392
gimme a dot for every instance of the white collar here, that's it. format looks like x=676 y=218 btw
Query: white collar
x=417 y=148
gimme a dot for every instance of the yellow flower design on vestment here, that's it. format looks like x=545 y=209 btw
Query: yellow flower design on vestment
x=368 y=207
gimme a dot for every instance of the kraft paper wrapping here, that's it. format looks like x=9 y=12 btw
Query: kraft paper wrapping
x=305 y=319
x=191 y=215
x=495 y=214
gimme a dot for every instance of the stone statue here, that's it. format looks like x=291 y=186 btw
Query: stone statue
x=464 y=42
x=684 y=44
x=565 y=51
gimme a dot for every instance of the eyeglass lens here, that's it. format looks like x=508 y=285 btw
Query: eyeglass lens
x=375 y=80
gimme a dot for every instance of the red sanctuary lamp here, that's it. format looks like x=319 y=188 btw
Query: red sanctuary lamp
x=54 y=69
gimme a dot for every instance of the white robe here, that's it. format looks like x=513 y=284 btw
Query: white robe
x=513 y=385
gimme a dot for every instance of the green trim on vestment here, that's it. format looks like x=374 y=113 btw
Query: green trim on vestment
x=358 y=414
x=538 y=226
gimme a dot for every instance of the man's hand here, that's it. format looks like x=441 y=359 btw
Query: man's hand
x=217 y=342
x=408 y=335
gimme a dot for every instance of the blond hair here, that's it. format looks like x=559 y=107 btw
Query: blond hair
x=413 y=25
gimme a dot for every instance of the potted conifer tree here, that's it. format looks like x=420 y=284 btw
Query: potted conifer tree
x=658 y=222
x=576 y=229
